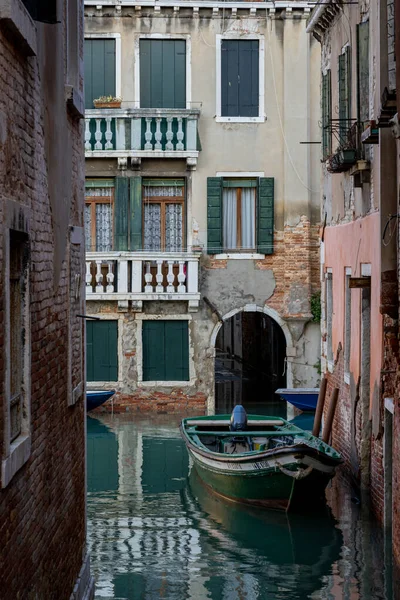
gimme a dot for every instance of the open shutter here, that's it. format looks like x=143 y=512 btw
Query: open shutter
x=363 y=70
x=176 y=348
x=326 y=115
x=265 y=216
x=214 y=215
x=136 y=213
x=121 y=213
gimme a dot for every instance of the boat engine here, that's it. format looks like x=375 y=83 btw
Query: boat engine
x=238 y=419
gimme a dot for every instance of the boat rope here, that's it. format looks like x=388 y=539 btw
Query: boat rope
x=299 y=474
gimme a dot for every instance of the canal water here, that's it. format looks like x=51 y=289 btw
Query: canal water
x=155 y=532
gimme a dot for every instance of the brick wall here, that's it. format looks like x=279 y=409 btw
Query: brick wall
x=42 y=509
x=176 y=401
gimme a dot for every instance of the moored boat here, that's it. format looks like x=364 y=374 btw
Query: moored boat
x=95 y=398
x=304 y=399
x=259 y=460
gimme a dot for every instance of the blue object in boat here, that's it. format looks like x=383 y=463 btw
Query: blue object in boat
x=302 y=398
x=95 y=398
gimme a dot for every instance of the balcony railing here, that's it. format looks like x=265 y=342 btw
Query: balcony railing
x=138 y=276
x=349 y=149
x=141 y=132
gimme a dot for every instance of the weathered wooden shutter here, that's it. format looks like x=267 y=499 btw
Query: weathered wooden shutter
x=153 y=351
x=344 y=93
x=165 y=351
x=265 y=216
x=101 y=351
x=162 y=73
x=326 y=114
x=214 y=215
x=239 y=78
x=136 y=213
x=363 y=71
x=99 y=57
x=121 y=213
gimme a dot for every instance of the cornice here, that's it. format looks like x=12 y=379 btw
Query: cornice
x=322 y=17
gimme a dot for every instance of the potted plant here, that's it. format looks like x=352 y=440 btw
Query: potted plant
x=107 y=102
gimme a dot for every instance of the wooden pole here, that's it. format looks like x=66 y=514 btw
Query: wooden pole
x=329 y=417
x=320 y=407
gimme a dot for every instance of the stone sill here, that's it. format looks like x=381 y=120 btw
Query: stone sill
x=16 y=20
x=20 y=451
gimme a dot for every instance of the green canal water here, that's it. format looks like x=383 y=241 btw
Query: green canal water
x=155 y=532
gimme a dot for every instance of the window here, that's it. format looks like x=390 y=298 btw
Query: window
x=347 y=333
x=165 y=351
x=344 y=93
x=100 y=75
x=101 y=350
x=99 y=206
x=329 y=311
x=239 y=215
x=363 y=71
x=239 y=78
x=163 y=215
x=326 y=115
x=162 y=73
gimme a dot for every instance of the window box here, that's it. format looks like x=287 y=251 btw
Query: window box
x=115 y=104
x=342 y=161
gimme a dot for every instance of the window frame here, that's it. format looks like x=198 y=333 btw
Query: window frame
x=163 y=201
x=261 y=118
x=15 y=453
x=239 y=189
x=92 y=203
x=166 y=36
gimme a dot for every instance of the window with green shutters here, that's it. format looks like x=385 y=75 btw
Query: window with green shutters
x=99 y=59
x=101 y=350
x=344 y=93
x=240 y=78
x=363 y=71
x=165 y=350
x=240 y=215
x=162 y=73
x=326 y=115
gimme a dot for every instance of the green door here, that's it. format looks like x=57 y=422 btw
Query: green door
x=99 y=58
x=165 y=351
x=101 y=351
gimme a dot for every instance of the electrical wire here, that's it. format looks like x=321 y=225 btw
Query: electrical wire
x=391 y=233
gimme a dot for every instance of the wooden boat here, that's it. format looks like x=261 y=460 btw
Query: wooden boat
x=95 y=398
x=267 y=462
x=302 y=398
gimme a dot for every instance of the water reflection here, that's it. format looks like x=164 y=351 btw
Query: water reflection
x=155 y=532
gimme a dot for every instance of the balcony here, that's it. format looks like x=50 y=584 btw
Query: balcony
x=138 y=276
x=142 y=133
x=348 y=151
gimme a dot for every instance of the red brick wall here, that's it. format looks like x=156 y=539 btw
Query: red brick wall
x=42 y=509
x=153 y=401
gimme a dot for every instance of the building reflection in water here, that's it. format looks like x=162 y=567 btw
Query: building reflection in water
x=156 y=532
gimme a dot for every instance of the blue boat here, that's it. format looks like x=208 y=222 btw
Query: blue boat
x=302 y=398
x=95 y=398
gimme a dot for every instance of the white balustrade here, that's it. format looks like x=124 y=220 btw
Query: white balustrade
x=142 y=276
x=108 y=145
x=98 y=135
x=179 y=135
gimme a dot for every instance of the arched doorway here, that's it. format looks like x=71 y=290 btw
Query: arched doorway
x=250 y=351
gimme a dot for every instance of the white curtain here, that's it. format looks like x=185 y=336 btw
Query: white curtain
x=152 y=227
x=248 y=219
x=173 y=228
x=88 y=228
x=103 y=228
x=163 y=191
x=229 y=218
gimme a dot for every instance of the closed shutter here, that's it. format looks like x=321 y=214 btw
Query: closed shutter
x=165 y=351
x=326 y=114
x=99 y=57
x=214 y=215
x=136 y=213
x=239 y=78
x=101 y=351
x=265 y=216
x=363 y=71
x=121 y=213
x=344 y=93
x=163 y=74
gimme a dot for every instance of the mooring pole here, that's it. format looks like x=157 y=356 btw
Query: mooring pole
x=329 y=417
x=320 y=407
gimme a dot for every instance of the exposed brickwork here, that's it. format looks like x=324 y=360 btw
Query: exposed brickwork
x=156 y=402
x=42 y=509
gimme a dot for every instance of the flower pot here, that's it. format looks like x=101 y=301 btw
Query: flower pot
x=107 y=104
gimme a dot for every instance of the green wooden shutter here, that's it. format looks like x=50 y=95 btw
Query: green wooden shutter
x=121 y=213
x=214 y=215
x=239 y=78
x=229 y=78
x=162 y=73
x=265 y=216
x=363 y=71
x=136 y=213
x=344 y=93
x=101 y=351
x=153 y=351
x=99 y=59
x=326 y=114
x=176 y=347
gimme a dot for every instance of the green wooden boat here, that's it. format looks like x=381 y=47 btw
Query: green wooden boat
x=264 y=461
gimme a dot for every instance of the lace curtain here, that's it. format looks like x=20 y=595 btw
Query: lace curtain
x=97 y=192
x=172 y=216
x=173 y=228
x=88 y=227
x=103 y=228
x=164 y=191
x=152 y=227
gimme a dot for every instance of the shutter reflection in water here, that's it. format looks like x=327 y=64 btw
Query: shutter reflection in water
x=156 y=532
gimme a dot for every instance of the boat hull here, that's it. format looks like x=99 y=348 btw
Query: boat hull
x=276 y=483
x=94 y=399
x=304 y=399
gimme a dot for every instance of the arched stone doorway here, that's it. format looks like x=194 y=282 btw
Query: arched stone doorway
x=250 y=362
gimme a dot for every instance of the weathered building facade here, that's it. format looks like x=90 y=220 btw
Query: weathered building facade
x=359 y=251
x=42 y=426
x=202 y=195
